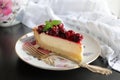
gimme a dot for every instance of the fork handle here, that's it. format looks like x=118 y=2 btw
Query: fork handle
x=96 y=69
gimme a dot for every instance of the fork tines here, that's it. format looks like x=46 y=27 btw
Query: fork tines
x=30 y=49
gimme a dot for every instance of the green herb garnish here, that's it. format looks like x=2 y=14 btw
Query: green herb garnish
x=50 y=24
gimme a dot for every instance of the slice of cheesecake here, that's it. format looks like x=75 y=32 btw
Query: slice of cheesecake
x=62 y=46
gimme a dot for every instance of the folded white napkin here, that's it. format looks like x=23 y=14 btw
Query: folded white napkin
x=89 y=16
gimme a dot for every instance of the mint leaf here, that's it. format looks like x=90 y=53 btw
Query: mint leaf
x=46 y=27
x=56 y=22
x=50 y=24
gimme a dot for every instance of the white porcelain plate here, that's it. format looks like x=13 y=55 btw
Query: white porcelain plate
x=91 y=52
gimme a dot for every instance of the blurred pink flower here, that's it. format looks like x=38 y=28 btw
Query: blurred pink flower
x=5 y=7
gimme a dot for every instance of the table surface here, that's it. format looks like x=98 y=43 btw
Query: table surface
x=13 y=68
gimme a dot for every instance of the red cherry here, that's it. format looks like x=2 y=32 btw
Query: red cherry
x=50 y=32
x=71 y=38
x=71 y=32
x=55 y=28
x=61 y=25
x=53 y=31
x=40 y=28
x=67 y=34
x=62 y=35
x=78 y=37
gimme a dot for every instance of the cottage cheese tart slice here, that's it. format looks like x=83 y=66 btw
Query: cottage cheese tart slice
x=56 y=39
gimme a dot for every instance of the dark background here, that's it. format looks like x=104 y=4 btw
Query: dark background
x=13 y=68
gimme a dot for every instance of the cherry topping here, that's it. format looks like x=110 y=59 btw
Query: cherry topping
x=71 y=32
x=67 y=34
x=40 y=28
x=61 y=25
x=59 y=31
x=62 y=35
x=78 y=37
x=53 y=31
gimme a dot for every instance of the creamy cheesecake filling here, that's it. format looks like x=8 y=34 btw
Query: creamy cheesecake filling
x=61 y=47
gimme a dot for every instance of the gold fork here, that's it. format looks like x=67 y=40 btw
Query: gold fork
x=42 y=55
x=96 y=69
